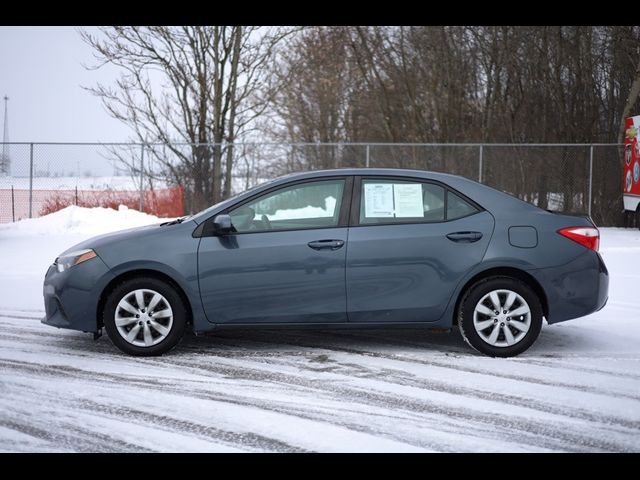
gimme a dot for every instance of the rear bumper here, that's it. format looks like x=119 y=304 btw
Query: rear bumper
x=71 y=297
x=575 y=289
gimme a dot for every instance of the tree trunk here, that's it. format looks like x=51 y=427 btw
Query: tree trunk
x=232 y=112
x=634 y=91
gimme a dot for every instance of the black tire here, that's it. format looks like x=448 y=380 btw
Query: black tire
x=174 y=300
x=475 y=293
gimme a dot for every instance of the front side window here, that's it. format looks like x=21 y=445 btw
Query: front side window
x=399 y=201
x=305 y=205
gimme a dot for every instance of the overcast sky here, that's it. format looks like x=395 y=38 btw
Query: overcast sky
x=42 y=73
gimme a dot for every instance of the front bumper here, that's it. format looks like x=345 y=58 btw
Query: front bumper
x=575 y=289
x=71 y=297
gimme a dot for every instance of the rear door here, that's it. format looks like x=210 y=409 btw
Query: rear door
x=410 y=244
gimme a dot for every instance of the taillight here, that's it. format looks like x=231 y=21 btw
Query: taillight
x=586 y=236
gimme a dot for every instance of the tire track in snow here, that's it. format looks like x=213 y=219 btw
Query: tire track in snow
x=208 y=359
x=386 y=400
x=555 y=438
x=77 y=440
x=442 y=364
x=243 y=439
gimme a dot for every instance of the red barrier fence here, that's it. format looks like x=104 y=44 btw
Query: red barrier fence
x=165 y=202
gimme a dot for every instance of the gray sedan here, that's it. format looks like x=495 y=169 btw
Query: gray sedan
x=354 y=248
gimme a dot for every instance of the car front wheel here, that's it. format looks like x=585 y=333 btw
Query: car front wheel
x=500 y=317
x=144 y=316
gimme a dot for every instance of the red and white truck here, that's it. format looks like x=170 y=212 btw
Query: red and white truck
x=631 y=167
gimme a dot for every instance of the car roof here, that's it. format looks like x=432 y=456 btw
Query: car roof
x=396 y=172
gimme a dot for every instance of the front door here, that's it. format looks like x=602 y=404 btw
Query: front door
x=411 y=244
x=286 y=261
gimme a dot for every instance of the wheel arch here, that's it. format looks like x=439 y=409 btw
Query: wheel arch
x=142 y=272
x=503 y=272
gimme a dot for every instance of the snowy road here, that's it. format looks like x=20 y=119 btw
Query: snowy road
x=576 y=389
x=320 y=391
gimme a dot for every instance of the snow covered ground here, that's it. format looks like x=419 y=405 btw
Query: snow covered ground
x=576 y=389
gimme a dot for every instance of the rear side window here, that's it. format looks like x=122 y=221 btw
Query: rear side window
x=399 y=201
x=457 y=207
x=385 y=201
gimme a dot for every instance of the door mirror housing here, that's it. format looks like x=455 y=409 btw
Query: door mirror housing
x=222 y=224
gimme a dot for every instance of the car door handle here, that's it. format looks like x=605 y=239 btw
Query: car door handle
x=464 y=237
x=326 y=244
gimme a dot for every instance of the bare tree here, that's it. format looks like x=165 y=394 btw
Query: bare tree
x=548 y=84
x=192 y=84
x=632 y=97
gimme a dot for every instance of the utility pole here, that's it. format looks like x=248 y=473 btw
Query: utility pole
x=5 y=161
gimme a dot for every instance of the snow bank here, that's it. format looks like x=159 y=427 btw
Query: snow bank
x=82 y=221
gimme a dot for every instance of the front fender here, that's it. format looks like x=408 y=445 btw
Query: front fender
x=186 y=280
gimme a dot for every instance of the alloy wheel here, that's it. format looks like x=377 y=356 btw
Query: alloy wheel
x=502 y=318
x=144 y=317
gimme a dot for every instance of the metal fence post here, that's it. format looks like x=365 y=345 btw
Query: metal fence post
x=30 y=180
x=13 y=206
x=142 y=178
x=590 y=178
x=480 y=164
x=367 y=158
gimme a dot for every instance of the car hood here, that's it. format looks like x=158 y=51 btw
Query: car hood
x=109 y=239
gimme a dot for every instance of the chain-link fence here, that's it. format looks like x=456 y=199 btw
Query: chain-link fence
x=173 y=179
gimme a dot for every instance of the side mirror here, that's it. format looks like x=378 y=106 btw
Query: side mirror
x=222 y=224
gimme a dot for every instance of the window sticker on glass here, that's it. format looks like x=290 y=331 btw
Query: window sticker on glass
x=378 y=199
x=408 y=200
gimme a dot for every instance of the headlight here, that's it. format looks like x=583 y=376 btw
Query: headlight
x=68 y=260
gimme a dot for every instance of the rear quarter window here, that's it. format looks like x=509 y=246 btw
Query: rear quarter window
x=457 y=207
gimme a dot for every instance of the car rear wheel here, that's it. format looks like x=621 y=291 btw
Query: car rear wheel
x=144 y=316
x=500 y=316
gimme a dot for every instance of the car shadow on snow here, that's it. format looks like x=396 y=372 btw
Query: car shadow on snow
x=552 y=342
x=243 y=342
x=346 y=340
